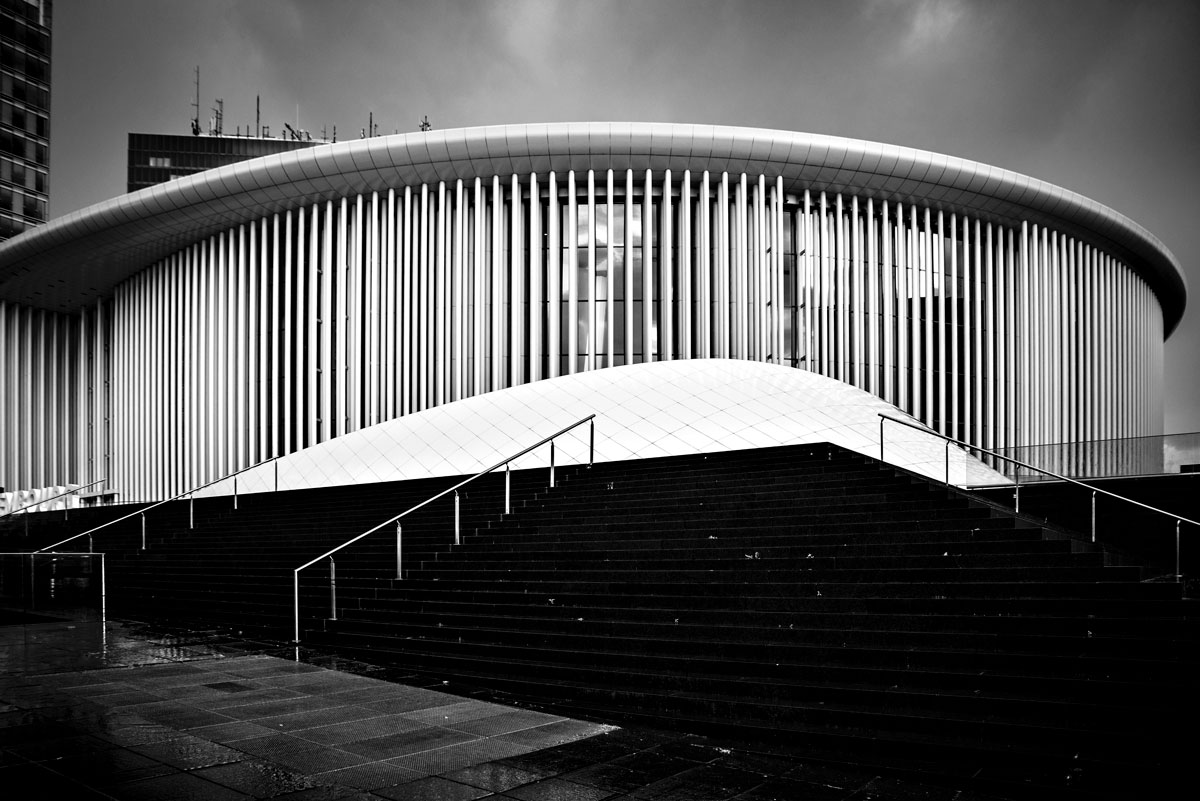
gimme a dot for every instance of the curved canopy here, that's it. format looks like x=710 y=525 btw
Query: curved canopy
x=642 y=411
x=81 y=256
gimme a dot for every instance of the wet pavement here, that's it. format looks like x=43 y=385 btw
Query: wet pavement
x=127 y=711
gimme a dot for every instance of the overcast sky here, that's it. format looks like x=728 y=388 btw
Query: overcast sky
x=1097 y=97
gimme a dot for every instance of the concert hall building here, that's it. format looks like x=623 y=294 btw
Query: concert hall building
x=176 y=334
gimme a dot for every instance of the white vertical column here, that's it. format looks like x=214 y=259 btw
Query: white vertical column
x=953 y=424
x=537 y=346
x=478 y=331
x=440 y=309
x=327 y=427
x=386 y=258
x=688 y=285
x=888 y=271
x=572 y=275
x=904 y=343
x=648 y=334
x=738 y=264
x=554 y=279
x=821 y=283
x=257 y=234
x=778 y=299
x=310 y=365
x=610 y=296
x=458 y=323
x=935 y=324
x=666 y=314
x=589 y=362
x=931 y=281
x=720 y=271
x=499 y=286
x=857 y=310
x=516 y=272
x=704 y=270
x=341 y=326
x=983 y=374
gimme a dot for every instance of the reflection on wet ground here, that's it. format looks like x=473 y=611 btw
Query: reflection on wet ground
x=128 y=711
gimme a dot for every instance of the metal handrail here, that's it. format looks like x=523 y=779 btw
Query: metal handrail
x=1179 y=519
x=191 y=507
x=54 y=497
x=399 y=564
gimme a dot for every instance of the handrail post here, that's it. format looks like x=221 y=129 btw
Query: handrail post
x=551 y=464
x=1178 y=566
x=91 y=545
x=296 y=606
x=591 y=442
x=399 y=556
x=235 y=493
x=1093 y=515
x=143 y=531
x=507 y=489
x=947 y=463
x=1017 y=490
x=457 y=521
x=881 y=419
x=191 y=510
x=276 y=465
x=332 y=589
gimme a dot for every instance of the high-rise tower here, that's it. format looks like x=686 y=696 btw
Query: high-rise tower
x=24 y=114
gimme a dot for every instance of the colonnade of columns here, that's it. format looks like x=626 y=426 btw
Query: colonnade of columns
x=323 y=319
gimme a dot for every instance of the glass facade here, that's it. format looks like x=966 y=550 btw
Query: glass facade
x=24 y=114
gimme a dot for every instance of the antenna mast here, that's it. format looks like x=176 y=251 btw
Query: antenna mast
x=196 y=106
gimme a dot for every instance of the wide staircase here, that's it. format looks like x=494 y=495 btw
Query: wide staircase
x=807 y=599
x=803 y=599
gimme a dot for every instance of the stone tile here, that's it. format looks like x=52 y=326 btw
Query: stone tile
x=406 y=742
x=179 y=715
x=230 y=732
x=439 y=761
x=447 y=714
x=113 y=766
x=189 y=753
x=257 y=778
x=505 y=722
x=432 y=788
x=177 y=787
x=356 y=730
x=223 y=701
x=494 y=776
x=558 y=790
x=309 y=719
x=297 y=754
x=274 y=708
x=369 y=776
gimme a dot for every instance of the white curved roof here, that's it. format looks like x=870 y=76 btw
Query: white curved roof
x=81 y=256
x=642 y=411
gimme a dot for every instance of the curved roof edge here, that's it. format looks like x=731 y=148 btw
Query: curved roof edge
x=81 y=256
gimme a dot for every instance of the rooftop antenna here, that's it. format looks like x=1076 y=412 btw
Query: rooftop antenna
x=257 y=115
x=196 y=106
x=425 y=126
x=218 y=117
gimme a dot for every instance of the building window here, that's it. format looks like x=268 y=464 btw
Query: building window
x=160 y=161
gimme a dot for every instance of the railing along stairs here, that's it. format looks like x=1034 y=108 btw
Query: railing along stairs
x=66 y=511
x=189 y=494
x=505 y=463
x=1179 y=519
